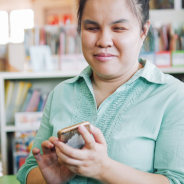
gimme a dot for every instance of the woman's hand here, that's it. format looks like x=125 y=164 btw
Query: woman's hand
x=51 y=169
x=92 y=161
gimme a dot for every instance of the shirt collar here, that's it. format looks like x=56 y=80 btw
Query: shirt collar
x=150 y=72
x=86 y=74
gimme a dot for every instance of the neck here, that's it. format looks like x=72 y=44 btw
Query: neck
x=109 y=85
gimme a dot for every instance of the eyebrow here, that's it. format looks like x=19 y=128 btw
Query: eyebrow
x=87 y=21
x=119 y=21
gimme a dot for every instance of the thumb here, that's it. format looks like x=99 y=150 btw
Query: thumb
x=37 y=154
x=98 y=135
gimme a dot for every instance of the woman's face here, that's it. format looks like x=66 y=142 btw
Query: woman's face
x=111 y=37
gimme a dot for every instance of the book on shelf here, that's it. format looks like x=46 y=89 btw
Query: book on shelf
x=15 y=57
x=33 y=102
x=178 y=58
x=64 y=45
x=162 y=4
x=3 y=51
x=28 y=120
x=22 y=144
x=41 y=58
x=20 y=97
x=62 y=39
x=11 y=106
x=163 y=44
x=24 y=93
x=167 y=4
x=9 y=85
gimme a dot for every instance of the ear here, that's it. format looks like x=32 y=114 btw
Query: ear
x=145 y=30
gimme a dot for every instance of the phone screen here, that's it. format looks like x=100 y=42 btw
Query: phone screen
x=72 y=137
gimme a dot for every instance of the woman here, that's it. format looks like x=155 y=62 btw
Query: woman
x=136 y=111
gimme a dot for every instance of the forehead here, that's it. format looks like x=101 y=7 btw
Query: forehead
x=107 y=10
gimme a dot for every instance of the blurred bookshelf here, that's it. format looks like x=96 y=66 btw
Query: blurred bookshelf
x=45 y=81
x=67 y=61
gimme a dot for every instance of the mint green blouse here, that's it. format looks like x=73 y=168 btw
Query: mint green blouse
x=142 y=121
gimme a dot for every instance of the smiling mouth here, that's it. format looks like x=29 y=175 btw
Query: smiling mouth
x=104 y=57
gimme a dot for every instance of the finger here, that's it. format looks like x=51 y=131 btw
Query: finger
x=77 y=170
x=53 y=139
x=98 y=135
x=76 y=154
x=73 y=169
x=67 y=160
x=36 y=154
x=47 y=147
x=89 y=141
x=60 y=161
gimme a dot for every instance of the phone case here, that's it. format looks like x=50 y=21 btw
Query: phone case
x=71 y=135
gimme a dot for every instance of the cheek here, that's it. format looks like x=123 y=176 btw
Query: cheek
x=130 y=42
x=88 y=43
x=88 y=40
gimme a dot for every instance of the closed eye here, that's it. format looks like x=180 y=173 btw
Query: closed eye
x=119 y=28
x=93 y=29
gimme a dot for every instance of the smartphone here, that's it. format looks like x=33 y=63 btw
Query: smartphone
x=71 y=135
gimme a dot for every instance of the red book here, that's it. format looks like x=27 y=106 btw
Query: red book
x=22 y=161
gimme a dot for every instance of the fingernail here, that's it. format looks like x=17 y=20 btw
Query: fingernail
x=82 y=127
x=92 y=127
x=55 y=142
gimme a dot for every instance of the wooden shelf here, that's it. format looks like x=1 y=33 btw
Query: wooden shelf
x=17 y=129
x=173 y=70
x=66 y=74
x=36 y=75
x=166 y=16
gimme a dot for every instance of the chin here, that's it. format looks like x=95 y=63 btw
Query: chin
x=105 y=72
x=104 y=68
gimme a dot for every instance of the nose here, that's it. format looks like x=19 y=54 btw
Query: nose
x=104 y=39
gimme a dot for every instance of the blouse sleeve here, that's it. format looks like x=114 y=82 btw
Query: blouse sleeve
x=169 y=150
x=44 y=132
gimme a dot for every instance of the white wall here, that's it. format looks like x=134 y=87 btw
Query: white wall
x=166 y=16
x=9 y=5
x=39 y=7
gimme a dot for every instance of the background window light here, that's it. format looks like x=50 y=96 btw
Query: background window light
x=4 y=30
x=20 y=20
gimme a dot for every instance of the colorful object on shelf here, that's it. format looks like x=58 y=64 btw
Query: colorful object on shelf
x=62 y=39
x=22 y=144
x=41 y=58
x=178 y=58
x=73 y=62
x=59 y=18
x=149 y=56
x=162 y=4
x=15 y=57
x=19 y=97
x=28 y=119
x=163 y=41
x=168 y=37
x=163 y=59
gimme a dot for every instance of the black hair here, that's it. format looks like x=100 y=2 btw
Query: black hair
x=139 y=7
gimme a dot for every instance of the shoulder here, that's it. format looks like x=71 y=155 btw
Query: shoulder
x=65 y=90
x=174 y=95
x=68 y=83
x=175 y=86
x=170 y=93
